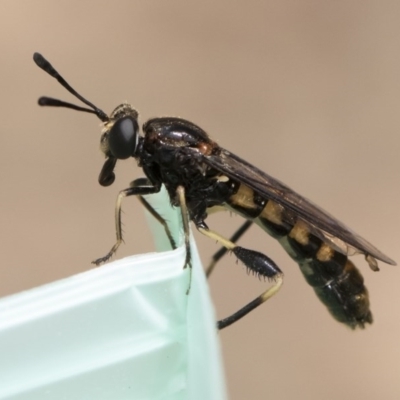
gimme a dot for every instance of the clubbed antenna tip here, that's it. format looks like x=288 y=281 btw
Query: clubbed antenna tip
x=42 y=63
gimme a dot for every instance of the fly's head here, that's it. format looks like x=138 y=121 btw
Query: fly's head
x=120 y=136
x=119 y=140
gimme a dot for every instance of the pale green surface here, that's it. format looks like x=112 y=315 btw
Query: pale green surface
x=126 y=330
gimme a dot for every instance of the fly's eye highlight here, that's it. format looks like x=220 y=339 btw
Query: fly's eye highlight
x=123 y=138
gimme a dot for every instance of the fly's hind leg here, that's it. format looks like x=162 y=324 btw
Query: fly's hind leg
x=139 y=190
x=223 y=250
x=256 y=262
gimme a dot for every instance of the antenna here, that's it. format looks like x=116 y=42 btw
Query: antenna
x=42 y=63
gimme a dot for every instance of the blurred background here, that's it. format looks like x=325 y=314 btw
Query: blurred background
x=308 y=91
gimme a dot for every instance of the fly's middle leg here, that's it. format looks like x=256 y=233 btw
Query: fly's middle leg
x=256 y=262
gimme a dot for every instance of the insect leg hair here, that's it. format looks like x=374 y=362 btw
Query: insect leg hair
x=223 y=250
x=256 y=262
x=132 y=191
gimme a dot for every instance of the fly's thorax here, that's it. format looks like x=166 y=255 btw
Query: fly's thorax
x=175 y=133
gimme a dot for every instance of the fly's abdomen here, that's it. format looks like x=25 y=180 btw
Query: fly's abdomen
x=335 y=279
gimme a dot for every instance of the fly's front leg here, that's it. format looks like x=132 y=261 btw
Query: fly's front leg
x=180 y=191
x=256 y=262
x=139 y=190
x=223 y=250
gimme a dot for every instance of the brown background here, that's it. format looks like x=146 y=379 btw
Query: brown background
x=307 y=90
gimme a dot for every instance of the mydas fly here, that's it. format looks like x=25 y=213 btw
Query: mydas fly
x=199 y=175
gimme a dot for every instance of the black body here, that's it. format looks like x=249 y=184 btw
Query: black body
x=177 y=152
x=198 y=175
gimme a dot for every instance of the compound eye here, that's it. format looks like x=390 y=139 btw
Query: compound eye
x=123 y=138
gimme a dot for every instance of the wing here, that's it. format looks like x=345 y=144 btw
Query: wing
x=320 y=222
